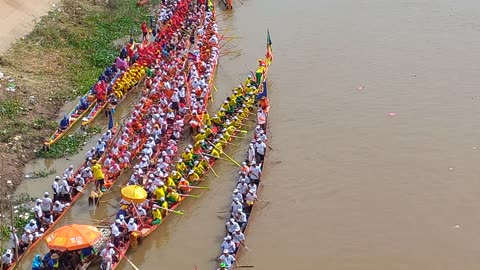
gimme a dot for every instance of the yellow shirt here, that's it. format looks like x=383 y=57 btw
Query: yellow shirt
x=97 y=172
x=157 y=214
x=159 y=193
x=170 y=182
x=215 y=153
x=173 y=196
x=187 y=156
x=206 y=119
x=193 y=177
x=199 y=169
x=181 y=167
x=200 y=137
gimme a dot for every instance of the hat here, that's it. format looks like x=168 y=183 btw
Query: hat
x=225 y=251
x=111 y=245
x=239 y=210
x=46 y=194
x=235 y=199
x=232 y=220
x=57 y=177
x=39 y=200
x=118 y=221
x=32 y=220
x=55 y=256
x=57 y=202
x=251 y=191
x=235 y=190
x=28 y=231
x=162 y=199
x=121 y=217
x=131 y=220
x=228 y=237
x=155 y=206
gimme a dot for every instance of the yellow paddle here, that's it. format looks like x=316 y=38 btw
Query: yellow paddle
x=231 y=159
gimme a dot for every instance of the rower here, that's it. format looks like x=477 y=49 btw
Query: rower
x=227 y=260
x=132 y=226
x=175 y=176
x=160 y=191
x=238 y=237
x=237 y=195
x=255 y=173
x=7 y=259
x=193 y=176
x=236 y=205
x=183 y=186
x=164 y=205
x=240 y=217
x=187 y=157
x=108 y=256
x=172 y=197
x=156 y=215
x=250 y=198
x=198 y=168
x=228 y=244
x=181 y=167
x=57 y=209
x=242 y=187
x=231 y=226
x=117 y=235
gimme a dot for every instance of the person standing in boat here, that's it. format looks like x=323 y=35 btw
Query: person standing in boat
x=98 y=175
x=226 y=260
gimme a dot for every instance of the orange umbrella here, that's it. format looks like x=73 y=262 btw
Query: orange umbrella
x=73 y=237
x=134 y=194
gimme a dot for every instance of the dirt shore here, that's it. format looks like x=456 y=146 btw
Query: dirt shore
x=17 y=18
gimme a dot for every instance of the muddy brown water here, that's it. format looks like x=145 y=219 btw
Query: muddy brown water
x=349 y=186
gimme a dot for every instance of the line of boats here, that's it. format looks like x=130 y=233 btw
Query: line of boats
x=183 y=58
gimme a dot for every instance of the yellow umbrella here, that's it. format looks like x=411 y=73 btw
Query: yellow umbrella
x=134 y=194
x=73 y=237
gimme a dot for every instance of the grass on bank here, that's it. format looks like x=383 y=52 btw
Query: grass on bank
x=60 y=59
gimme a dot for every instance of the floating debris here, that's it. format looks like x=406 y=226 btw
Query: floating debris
x=450 y=169
x=392 y=114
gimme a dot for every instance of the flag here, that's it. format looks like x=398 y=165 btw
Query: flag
x=269 y=55
x=263 y=91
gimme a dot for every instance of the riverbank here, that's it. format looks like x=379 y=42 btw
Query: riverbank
x=59 y=60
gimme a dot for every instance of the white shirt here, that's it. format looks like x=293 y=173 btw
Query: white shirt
x=46 y=204
x=32 y=228
x=238 y=196
x=38 y=211
x=260 y=148
x=232 y=227
x=13 y=242
x=55 y=187
x=242 y=188
x=107 y=253
x=7 y=259
x=227 y=259
x=68 y=173
x=27 y=237
x=237 y=238
x=240 y=217
x=58 y=208
x=142 y=212
x=255 y=172
x=65 y=188
x=230 y=246
x=132 y=227
x=250 y=197
x=115 y=230
x=235 y=206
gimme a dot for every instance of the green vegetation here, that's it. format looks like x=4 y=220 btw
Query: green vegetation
x=69 y=145
x=22 y=213
x=43 y=173
x=62 y=58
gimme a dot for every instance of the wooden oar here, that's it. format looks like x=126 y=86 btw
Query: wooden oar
x=172 y=211
x=209 y=166
x=200 y=187
x=188 y=195
x=128 y=260
x=241 y=131
x=231 y=159
x=208 y=155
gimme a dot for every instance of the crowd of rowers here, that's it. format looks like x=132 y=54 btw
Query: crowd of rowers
x=244 y=196
x=166 y=183
x=48 y=209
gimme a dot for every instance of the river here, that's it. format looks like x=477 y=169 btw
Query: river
x=374 y=134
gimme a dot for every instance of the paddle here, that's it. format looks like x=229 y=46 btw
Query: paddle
x=188 y=195
x=172 y=211
x=216 y=157
x=231 y=159
x=200 y=187
x=210 y=166
x=241 y=131
x=128 y=260
x=244 y=266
